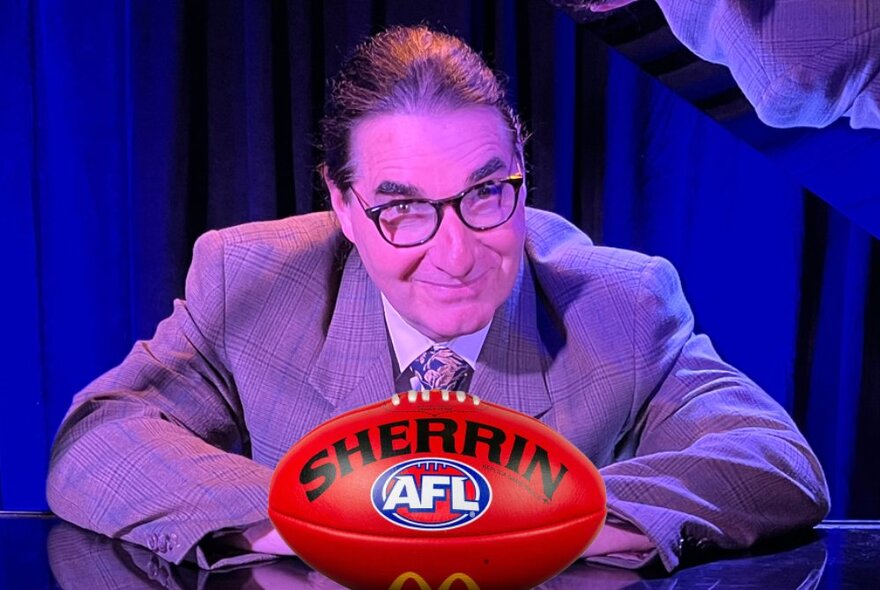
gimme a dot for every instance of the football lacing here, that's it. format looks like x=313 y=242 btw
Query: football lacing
x=413 y=395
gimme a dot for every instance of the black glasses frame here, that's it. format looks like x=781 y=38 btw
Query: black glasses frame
x=439 y=205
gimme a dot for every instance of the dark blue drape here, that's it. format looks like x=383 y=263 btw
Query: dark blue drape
x=128 y=128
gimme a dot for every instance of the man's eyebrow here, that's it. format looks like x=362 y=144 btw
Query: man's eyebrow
x=493 y=165
x=397 y=189
x=392 y=188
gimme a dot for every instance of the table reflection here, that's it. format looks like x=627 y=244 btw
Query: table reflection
x=80 y=559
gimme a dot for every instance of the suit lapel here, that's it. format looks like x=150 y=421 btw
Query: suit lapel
x=354 y=366
x=510 y=369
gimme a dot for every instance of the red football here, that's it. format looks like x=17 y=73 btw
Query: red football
x=436 y=487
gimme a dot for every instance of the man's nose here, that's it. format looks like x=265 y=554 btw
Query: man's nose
x=453 y=246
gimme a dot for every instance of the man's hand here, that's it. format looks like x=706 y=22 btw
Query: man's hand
x=263 y=538
x=260 y=538
x=612 y=539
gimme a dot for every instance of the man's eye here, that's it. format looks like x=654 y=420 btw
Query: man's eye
x=489 y=190
x=399 y=211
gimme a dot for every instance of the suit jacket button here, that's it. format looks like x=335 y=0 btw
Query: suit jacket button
x=158 y=571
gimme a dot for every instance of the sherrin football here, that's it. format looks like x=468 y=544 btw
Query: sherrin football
x=436 y=489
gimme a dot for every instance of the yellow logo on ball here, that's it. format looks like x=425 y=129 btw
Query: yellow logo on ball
x=405 y=577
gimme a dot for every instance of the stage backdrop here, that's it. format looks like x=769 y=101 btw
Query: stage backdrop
x=129 y=128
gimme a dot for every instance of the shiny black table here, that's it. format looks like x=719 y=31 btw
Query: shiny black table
x=39 y=551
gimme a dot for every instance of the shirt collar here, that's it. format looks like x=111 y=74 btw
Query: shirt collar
x=409 y=343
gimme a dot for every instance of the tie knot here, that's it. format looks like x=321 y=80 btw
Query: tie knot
x=440 y=368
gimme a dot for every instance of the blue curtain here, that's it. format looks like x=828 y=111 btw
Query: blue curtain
x=129 y=128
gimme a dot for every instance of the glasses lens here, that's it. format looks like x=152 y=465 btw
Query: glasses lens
x=489 y=204
x=408 y=223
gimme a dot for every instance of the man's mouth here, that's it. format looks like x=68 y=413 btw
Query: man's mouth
x=453 y=284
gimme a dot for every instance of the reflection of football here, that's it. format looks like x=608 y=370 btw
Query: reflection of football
x=430 y=488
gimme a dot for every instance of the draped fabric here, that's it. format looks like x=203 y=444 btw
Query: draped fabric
x=130 y=127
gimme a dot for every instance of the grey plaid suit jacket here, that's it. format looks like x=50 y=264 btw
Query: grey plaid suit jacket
x=280 y=330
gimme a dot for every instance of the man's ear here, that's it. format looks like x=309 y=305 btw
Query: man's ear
x=339 y=204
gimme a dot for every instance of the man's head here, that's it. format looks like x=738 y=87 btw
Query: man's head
x=416 y=114
x=407 y=70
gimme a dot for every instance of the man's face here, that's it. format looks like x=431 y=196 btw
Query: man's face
x=452 y=284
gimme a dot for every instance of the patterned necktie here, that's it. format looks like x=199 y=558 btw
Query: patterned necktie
x=440 y=368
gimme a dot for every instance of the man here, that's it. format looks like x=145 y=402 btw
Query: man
x=429 y=256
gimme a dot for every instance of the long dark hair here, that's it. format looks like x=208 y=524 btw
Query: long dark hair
x=407 y=70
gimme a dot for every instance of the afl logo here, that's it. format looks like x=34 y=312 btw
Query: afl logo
x=431 y=494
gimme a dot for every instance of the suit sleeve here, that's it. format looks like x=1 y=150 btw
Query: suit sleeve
x=154 y=451
x=799 y=62
x=713 y=462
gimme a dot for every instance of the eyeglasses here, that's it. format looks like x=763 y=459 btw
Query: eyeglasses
x=411 y=222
